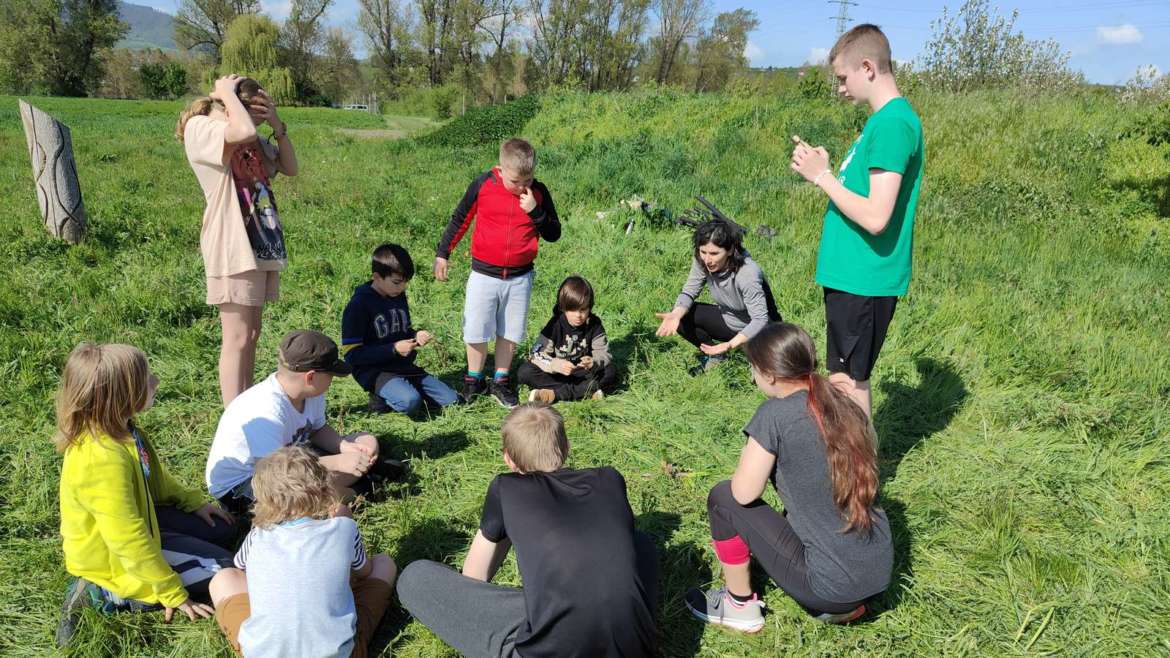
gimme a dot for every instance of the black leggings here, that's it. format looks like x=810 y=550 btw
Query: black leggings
x=569 y=387
x=704 y=323
x=773 y=543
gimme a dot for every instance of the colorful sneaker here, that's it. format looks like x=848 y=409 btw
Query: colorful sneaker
x=545 y=395
x=378 y=405
x=706 y=364
x=81 y=594
x=472 y=386
x=501 y=389
x=844 y=617
x=715 y=606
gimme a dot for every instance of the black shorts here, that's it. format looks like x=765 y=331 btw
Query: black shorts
x=857 y=327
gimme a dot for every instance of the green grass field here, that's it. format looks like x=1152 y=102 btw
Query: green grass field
x=1021 y=398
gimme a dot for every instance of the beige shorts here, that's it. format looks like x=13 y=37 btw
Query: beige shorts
x=252 y=288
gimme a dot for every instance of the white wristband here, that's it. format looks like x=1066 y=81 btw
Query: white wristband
x=817 y=180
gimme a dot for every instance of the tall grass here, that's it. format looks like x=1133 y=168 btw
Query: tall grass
x=1020 y=398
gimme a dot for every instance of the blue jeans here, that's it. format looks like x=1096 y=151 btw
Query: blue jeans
x=405 y=394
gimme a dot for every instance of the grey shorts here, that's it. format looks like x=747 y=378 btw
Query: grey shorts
x=496 y=307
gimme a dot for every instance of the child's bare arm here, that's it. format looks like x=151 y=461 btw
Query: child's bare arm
x=485 y=557
x=751 y=476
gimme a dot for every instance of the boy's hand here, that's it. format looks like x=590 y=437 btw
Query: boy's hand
x=586 y=362
x=440 y=269
x=562 y=366
x=405 y=347
x=809 y=162
x=527 y=200
x=422 y=337
x=354 y=463
x=354 y=446
x=210 y=510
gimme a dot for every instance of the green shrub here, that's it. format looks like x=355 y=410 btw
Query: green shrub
x=485 y=125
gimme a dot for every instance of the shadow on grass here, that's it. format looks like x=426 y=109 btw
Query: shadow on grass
x=910 y=414
x=1155 y=191
x=681 y=567
x=903 y=573
x=433 y=539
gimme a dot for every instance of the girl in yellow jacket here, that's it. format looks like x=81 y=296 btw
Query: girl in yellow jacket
x=134 y=538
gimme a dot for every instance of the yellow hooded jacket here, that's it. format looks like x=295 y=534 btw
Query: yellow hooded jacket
x=110 y=530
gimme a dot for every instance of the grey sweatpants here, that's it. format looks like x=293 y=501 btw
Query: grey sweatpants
x=477 y=618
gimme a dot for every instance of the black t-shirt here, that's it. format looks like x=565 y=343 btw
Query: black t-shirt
x=573 y=533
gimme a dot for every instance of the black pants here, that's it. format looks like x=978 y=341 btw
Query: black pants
x=704 y=323
x=183 y=532
x=569 y=387
x=773 y=543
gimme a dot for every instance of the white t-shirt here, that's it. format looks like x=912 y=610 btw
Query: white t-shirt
x=259 y=421
x=298 y=587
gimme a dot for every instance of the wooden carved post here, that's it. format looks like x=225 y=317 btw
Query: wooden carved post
x=54 y=174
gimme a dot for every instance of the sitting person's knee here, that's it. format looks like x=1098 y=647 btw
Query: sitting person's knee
x=383 y=568
x=226 y=584
x=721 y=496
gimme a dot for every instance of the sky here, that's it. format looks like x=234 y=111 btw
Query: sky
x=1108 y=39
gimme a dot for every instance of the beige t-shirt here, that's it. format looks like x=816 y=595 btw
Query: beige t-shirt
x=230 y=241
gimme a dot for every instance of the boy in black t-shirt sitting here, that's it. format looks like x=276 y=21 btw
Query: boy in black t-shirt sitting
x=570 y=360
x=590 y=580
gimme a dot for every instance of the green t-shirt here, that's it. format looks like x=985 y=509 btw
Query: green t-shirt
x=850 y=258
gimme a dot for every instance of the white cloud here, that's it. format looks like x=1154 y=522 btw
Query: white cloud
x=1119 y=34
x=753 y=53
x=817 y=56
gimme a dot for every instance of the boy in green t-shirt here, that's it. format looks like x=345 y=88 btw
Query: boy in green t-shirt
x=864 y=258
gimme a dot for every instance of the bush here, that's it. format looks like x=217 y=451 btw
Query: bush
x=163 y=80
x=485 y=125
x=976 y=49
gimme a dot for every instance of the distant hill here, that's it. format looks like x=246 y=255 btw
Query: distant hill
x=149 y=27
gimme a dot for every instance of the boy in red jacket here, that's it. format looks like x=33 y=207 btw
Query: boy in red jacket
x=514 y=211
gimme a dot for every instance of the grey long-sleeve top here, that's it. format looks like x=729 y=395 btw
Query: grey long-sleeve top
x=739 y=295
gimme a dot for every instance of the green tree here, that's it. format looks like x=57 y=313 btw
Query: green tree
x=56 y=46
x=976 y=48
x=719 y=52
x=678 y=22
x=336 y=72
x=250 y=48
x=163 y=80
x=301 y=37
x=387 y=30
x=203 y=24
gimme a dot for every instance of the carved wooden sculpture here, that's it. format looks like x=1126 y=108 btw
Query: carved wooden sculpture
x=54 y=173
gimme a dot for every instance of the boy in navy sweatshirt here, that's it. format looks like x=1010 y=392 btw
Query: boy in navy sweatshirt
x=381 y=344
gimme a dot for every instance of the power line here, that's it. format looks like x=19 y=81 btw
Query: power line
x=842 y=17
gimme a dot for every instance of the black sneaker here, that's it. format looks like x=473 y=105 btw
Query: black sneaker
x=472 y=386
x=501 y=389
x=378 y=404
x=78 y=596
x=389 y=469
x=706 y=364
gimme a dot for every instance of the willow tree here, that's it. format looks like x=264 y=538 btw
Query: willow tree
x=250 y=49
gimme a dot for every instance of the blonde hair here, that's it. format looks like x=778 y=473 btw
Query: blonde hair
x=102 y=387
x=288 y=484
x=866 y=41
x=246 y=89
x=518 y=156
x=534 y=438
